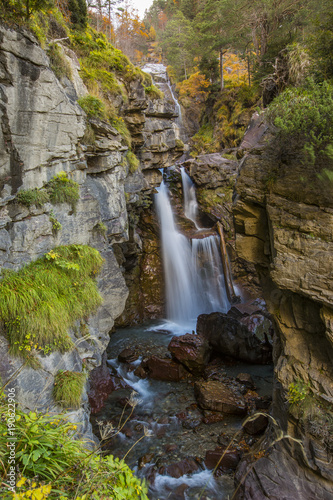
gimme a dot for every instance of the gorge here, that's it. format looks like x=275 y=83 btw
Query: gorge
x=200 y=362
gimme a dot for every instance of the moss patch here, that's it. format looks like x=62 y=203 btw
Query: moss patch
x=68 y=388
x=133 y=162
x=40 y=302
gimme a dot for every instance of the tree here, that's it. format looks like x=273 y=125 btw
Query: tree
x=78 y=13
x=178 y=43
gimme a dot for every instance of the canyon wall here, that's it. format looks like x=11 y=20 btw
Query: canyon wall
x=43 y=132
x=283 y=214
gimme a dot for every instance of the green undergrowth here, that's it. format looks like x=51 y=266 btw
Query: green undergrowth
x=68 y=388
x=40 y=302
x=58 y=61
x=204 y=141
x=154 y=92
x=97 y=108
x=132 y=161
x=60 y=189
x=55 y=465
x=96 y=51
x=305 y=114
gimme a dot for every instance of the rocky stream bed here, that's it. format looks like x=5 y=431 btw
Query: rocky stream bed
x=191 y=400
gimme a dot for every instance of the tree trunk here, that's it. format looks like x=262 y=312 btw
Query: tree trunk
x=221 y=69
x=226 y=267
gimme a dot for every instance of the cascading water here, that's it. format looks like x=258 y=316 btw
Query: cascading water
x=193 y=269
x=191 y=208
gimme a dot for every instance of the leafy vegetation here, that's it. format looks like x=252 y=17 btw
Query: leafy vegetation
x=56 y=466
x=133 y=162
x=154 y=92
x=68 y=388
x=43 y=300
x=59 y=64
x=60 y=189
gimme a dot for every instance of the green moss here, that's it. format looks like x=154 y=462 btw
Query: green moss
x=56 y=226
x=118 y=123
x=68 y=388
x=133 y=162
x=34 y=196
x=179 y=144
x=59 y=63
x=40 y=302
x=101 y=228
x=209 y=198
x=154 y=92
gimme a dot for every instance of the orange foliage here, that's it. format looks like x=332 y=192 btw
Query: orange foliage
x=195 y=87
x=235 y=69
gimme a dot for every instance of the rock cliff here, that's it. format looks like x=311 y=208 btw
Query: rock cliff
x=283 y=221
x=42 y=134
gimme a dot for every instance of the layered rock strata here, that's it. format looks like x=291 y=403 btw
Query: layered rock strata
x=284 y=219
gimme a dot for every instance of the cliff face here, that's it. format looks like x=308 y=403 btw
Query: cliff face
x=42 y=134
x=284 y=226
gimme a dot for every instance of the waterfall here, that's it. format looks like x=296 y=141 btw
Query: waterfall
x=177 y=257
x=194 y=278
x=191 y=208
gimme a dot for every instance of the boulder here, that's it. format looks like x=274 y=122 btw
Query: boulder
x=164 y=369
x=256 y=425
x=191 y=350
x=216 y=396
x=179 y=469
x=245 y=338
x=246 y=379
x=127 y=356
x=225 y=459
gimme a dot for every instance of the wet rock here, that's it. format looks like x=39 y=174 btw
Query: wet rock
x=256 y=425
x=102 y=384
x=140 y=372
x=215 y=370
x=225 y=459
x=127 y=356
x=178 y=469
x=179 y=492
x=171 y=447
x=190 y=350
x=246 y=379
x=264 y=403
x=164 y=369
x=145 y=459
x=211 y=417
x=216 y=396
x=245 y=338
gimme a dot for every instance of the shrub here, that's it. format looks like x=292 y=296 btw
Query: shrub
x=40 y=302
x=34 y=196
x=306 y=115
x=68 y=388
x=92 y=106
x=46 y=448
x=59 y=63
x=61 y=189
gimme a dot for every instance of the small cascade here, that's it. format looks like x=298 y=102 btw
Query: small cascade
x=193 y=269
x=191 y=208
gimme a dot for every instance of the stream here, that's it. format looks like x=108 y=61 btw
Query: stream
x=170 y=411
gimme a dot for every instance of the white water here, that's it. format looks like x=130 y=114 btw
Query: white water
x=191 y=208
x=193 y=269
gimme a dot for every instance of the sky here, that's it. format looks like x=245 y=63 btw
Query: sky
x=141 y=5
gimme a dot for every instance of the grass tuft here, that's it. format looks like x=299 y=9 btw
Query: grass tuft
x=40 y=302
x=68 y=388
